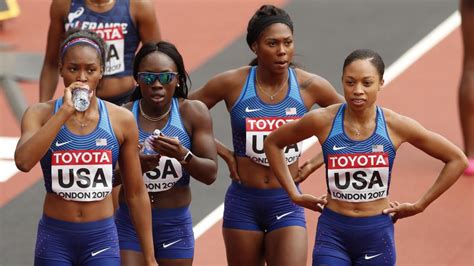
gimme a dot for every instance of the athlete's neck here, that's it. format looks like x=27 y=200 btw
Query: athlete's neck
x=360 y=117
x=270 y=80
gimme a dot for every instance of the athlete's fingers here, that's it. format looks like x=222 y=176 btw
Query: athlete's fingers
x=389 y=210
x=323 y=200
x=234 y=177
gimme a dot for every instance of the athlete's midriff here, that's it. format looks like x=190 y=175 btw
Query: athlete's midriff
x=258 y=176
x=78 y=212
x=176 y=197
x=357 y=209
x=113 y=86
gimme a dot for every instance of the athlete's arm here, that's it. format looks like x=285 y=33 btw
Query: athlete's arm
x=136 y=195
x=229 y=157
x=405 y=129
x=143 y=12
x=39 y=129
x=290 y=133
x=203 y=165
x=221 y=87
x=49 y=71
x=225 y=86
x=308 y=167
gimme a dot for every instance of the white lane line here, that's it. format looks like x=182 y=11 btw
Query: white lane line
x=8 y=145
x=207 y=222
x=7 y=164
x=422 y=47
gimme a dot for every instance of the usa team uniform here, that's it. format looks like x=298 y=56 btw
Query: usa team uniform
x=117 y=29
x=252 y=120
x=356 y=171
x=172 y=228
x=79 y=168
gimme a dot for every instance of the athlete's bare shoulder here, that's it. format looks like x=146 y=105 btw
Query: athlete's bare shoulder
x=321 y=120
x=42 y=110
x=316 y=89
x=325 y=115
x=233 y=77
x=122 y=120
x=116 y=112
x=400 y=127
x=393 y=119
x=224 y=86
x=192 y=105
x=308 y=80
x=128 y=106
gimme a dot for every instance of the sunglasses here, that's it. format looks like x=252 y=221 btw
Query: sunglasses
x=149 y=78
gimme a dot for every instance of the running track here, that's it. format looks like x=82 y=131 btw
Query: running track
x=212 y=40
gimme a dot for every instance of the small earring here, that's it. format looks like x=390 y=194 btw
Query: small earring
x=177 y=86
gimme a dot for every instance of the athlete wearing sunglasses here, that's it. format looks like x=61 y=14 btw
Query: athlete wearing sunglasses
x=185 y=148
x=150 y=77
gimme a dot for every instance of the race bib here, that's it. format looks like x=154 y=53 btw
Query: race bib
x=112 y=33
x=164 y=176
x=358 y=177
x=257 y=129
x=114 y=39
x=82 y=175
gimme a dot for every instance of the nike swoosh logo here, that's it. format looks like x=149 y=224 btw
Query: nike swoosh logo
x=170 y=244
x=99 y=251
x=59 y=144
x=367 y=257
x=248 y=110
x=285 y=214
x=335 y=148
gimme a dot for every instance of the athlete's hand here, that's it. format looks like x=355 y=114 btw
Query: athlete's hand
x=67 y=98
x=169 y=147
x=402 y=210
x=310 y=202
x=148 y=162
x=232 y=165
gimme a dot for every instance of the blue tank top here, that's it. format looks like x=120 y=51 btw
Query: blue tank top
x=80 y=167
x=358 y=171
x=117 y=29
x=169 y=172
x=252 y=120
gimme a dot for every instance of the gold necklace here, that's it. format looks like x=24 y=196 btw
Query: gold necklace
x=272 y=96
x=81 y=124
x=101 y=4
x=150 y=118
x=356 y=131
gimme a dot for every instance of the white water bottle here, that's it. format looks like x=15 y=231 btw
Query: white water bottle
x=147 y=147
x=80 y=99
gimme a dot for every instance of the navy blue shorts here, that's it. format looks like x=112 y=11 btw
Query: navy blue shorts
x=173 y=235
x=343 y=240
x=260 y=209
x=66 y=243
